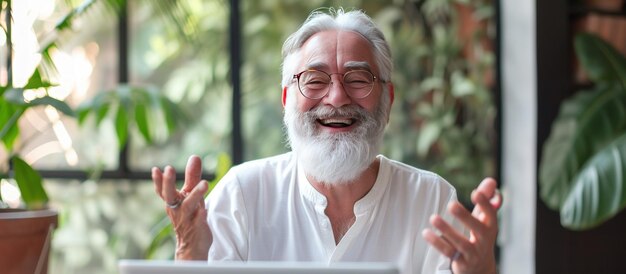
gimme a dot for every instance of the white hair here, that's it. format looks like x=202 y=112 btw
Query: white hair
x=337 y=19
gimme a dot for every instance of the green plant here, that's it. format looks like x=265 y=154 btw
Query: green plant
x=13 y=105
x=443 y=93
x=582 y=173
x=132 y=106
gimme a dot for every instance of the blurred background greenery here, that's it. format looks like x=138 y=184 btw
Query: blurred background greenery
x=442 y=119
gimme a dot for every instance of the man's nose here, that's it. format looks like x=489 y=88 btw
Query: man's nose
x=337 y=95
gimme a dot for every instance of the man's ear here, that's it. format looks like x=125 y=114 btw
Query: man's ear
x=284 y=96
x=391 y=93
x=391 y=97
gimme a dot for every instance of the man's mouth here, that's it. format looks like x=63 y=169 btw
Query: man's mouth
x=337 y=122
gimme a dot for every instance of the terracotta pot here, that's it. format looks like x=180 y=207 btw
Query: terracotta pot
x=25 y=238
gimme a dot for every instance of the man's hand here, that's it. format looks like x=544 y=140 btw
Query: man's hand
x=186 y=209
x=476 y=253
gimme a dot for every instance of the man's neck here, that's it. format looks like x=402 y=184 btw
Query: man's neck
x=341 y=198
x=348 y=193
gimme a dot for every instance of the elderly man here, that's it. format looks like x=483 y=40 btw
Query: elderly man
x=333 y=198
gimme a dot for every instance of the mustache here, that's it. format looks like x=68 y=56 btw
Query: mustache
x=324 y=112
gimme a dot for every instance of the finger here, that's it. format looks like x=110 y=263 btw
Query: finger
x=457 y=240
x=438 y=242
x=169 y=193
x=195 y=198
x=193 y=173
x=473 y=224
x=488 y=214
x=496 y=200
x=487 y=186
x=157 y=179
x=200 y=217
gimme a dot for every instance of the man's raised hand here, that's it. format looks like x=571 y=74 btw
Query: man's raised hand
x=186 y=209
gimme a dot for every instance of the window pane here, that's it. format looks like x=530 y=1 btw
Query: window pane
x=103 y=222
x=192 y=70
x=85 y=61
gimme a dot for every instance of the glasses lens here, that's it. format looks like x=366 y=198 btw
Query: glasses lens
x=313 y=84
x=358 y=79
x=358 y=83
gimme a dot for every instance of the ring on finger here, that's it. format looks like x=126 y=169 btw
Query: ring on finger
x=456 y=255
x=178 y=202
x=174 y=204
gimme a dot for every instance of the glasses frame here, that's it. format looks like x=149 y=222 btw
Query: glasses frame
x=296 y=78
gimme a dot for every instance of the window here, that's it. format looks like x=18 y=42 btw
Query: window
x=442 y=119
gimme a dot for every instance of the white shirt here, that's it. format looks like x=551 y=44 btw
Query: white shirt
x=266 y=210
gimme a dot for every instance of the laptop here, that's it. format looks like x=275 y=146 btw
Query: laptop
x=197 y=267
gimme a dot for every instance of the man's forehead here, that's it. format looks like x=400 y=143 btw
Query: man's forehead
x=340 y=49
x=349 y=65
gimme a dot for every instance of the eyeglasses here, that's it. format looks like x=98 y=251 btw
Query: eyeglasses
x=315 y=84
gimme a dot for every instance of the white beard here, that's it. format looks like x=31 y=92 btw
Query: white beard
x=335 y=158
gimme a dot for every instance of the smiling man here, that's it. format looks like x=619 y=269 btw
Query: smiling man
x=333 y=198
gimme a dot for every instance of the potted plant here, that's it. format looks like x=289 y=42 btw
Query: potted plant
x=25 y=240
x=26 y=229
x=582 y=173
x=26 y=232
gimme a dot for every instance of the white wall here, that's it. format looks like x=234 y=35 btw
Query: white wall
x=519 y=117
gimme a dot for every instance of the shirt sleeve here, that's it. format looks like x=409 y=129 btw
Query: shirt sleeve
x=228 y=220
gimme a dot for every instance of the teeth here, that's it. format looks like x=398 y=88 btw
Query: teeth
x=336 y=121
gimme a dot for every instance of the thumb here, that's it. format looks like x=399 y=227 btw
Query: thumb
x=196 y=196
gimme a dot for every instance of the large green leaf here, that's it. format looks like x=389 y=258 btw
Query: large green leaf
x=36 y=81
x=30 y=184
x=99 y=105
x=15 y=96
x=141 y=118
x=169 y=111
x=599 y=192
x=586 y=123
x=56 y=103
x=147 y=110
x=67 y=21
x=101 y=112
x=9 y=114
x=600 y=60
x=121 y=126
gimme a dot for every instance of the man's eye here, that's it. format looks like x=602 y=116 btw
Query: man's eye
x=314 y=84
x=315 y=81
x=357 y=81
